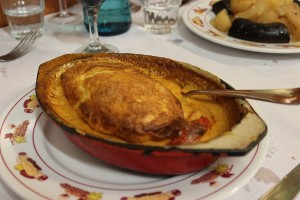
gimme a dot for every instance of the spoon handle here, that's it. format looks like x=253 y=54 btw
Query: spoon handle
x=283 y=96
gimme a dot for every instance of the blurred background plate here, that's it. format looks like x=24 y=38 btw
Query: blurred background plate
x=197 y=17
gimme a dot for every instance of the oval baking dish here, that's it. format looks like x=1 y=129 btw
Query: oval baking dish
x=128 y=110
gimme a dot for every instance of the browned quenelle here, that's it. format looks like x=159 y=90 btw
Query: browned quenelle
x=114 y=98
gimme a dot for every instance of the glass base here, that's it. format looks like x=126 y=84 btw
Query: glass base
x=109 y=29
x=70 y=19
x=106 y=48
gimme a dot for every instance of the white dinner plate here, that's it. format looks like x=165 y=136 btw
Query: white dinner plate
x=197 y=17
x=38 y=162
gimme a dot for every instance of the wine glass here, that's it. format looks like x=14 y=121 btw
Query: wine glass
x=91 y=9
x=64 y=17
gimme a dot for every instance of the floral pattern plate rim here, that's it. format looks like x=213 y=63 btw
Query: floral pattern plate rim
x=38 y=162
x=197 y=17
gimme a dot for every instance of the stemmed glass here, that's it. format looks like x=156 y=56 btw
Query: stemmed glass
x=64 y=17
x=91 y=9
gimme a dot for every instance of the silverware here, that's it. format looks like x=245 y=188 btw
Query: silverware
x=22 y=47
x=283 y=96
x=287 y=188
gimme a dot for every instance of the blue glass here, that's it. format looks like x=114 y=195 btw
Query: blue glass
x=114 y=17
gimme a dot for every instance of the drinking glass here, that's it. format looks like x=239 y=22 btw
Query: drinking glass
x=64 y=17
x=91 y=10
x=23 y=16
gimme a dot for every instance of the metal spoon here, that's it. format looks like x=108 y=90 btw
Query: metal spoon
x=283 y=96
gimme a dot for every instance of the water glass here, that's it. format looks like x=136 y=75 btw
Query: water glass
x=160 y=16
x=24 y=15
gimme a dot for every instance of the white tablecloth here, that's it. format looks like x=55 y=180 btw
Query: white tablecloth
x=242 y=69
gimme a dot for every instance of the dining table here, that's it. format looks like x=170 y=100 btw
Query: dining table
x=249 y=177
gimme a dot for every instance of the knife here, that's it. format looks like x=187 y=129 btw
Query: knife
x=287 y=188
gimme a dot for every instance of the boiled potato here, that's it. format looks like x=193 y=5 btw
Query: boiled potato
x=277 y=3
x=270 y=17
x=241 y=5
x=291 y=13
x=222 y=21
x=260 y=7
x=296 y=36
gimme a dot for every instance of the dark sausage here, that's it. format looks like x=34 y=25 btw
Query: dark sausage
x=259 y=32
x=220 y=5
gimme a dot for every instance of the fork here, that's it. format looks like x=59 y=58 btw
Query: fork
x=22 y=47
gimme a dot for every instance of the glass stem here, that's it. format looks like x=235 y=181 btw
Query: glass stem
x=63 y=8
x=92 y=14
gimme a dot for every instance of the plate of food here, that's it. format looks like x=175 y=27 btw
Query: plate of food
x=48 y=150
x=244 y=27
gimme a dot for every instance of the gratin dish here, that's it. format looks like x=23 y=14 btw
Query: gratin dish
x=234 y=128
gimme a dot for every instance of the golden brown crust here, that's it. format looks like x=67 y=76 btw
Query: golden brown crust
x=68 y=82
x=114 y=98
